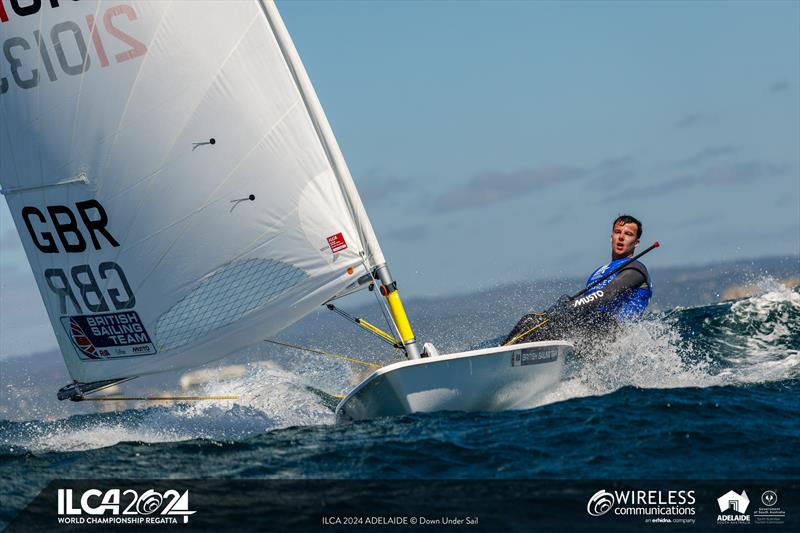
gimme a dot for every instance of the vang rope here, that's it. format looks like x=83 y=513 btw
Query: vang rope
x=525 y=333
x=320 y=352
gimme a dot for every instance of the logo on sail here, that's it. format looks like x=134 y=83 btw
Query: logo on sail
x=108 y=335
x=337 y=243
x=82 y=341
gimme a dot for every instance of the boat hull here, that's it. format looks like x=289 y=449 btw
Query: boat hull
x=491 y=379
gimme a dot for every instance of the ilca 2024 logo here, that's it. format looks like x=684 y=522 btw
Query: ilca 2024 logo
x=118 y=506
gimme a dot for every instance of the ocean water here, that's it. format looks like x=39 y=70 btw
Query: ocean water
x=705 y=392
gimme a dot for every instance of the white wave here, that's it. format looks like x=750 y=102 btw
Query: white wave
x=270 y=399
x=646 y=355
x=278 y=395
x=759 y=331
x=749 y=345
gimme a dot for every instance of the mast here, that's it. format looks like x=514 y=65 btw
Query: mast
x=398 y=312
x=374 y=256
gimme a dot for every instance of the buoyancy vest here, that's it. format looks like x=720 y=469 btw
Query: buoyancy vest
x=631 y=304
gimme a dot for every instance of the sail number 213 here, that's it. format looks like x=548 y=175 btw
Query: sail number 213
x=64 y=48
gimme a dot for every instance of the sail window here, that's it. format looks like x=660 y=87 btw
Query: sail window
x=224 y=297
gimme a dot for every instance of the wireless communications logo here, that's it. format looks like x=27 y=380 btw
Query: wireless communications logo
x=116 y=506
x=600 y=503
x=654 y=505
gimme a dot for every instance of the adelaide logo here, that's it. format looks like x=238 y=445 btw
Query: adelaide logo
x=733 y=508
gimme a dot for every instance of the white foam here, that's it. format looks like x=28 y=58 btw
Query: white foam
x=750 y=345
x=645 y=355
x=270 y=399
x=771 y=319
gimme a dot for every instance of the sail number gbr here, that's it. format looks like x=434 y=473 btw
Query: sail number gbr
x=65 y=47
x=77 y=237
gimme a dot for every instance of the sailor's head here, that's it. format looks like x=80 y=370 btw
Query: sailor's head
x=625 y=233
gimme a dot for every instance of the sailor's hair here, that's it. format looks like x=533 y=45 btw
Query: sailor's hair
x=628 y=219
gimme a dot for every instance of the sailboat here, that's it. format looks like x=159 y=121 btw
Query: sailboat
x=180 y=196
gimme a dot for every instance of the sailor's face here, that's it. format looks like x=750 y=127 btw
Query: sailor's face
x=623 y=240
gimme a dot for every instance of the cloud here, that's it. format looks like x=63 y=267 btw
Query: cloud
x=375 y=187
x=612 y=177
x=555 y=219
x=725 y=174
x=495 y=187
x=760 y=233
x=779 y=86
x=695 y=221
x=664 y=187
x=743 y=172
x=695 y=119
x=612 y=170
x=707 y=154
x=408 y=233
x=613 y=163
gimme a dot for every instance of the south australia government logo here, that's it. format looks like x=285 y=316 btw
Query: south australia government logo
x=733 y=508
x=123 y=506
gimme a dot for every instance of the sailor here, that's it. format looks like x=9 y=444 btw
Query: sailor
x=622 y=297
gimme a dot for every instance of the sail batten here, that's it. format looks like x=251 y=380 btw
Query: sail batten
x=218 y=207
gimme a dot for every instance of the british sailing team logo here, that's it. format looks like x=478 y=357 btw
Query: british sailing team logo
x=81 y=340
x=108 y=335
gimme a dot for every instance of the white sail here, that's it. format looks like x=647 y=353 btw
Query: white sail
x=173 y=178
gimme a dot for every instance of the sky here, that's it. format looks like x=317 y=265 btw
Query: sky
x=494 y=142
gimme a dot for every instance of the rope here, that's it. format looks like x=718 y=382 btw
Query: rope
x=320 y=352
x=519 y=336
x=158 y=398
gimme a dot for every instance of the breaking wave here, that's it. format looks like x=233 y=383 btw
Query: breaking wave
x=270 y=399
x=751 y=340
